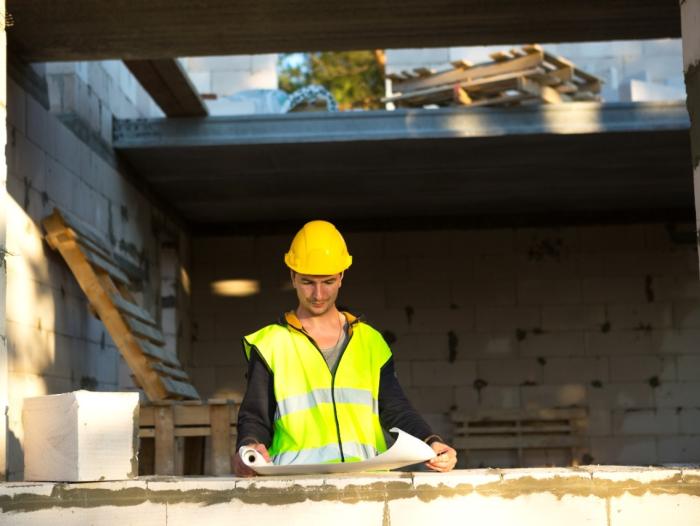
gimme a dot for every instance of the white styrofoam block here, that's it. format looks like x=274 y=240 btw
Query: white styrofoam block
x=81 y=436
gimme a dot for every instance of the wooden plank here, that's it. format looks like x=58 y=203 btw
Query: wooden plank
x=562 y=62
x=478 y=71
x=495 y=430
x=61 y=233
x=169 y=86
x=221 y=447
x=92 y=285
x=514 y=442
x=532 y=48
x=566 y=87
x=496 y=82
x=173 y=372
x=555 y=76
x=145 y=331
x=461 y=64
x=161 y=353
x=179 y=389
x=501 y=415
x=186 y=414
x=59 y=222
x=502 y=100
x=196 y=431
x=165 y=441
x=547 y=94
x=106 y=265
x=424 y=72
x=460 y=96
x=132 y=309
x=499 y=56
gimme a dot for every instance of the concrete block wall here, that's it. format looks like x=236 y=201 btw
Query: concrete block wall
x=601 y=317
x=633 y=70
x=225 y=76
x=56 y=158
x=228 y=74
x=610 y=495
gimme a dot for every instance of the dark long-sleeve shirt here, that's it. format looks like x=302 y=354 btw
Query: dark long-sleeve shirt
x=256 y=415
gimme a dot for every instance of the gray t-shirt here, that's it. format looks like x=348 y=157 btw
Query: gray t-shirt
x=332 y=354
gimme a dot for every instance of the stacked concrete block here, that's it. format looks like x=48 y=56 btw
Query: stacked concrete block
x=81 y=436
x=225 y=76
x=599 y=317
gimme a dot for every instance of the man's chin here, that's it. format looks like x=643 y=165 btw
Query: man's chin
x=318 y=309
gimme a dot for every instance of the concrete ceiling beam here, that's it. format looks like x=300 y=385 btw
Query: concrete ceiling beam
x=104 y=29
x=580 y=159
x=168 y=84
x=317 y=127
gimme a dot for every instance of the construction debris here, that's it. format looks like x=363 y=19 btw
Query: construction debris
x=519 y=76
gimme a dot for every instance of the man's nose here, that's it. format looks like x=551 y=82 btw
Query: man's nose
x=318 y=290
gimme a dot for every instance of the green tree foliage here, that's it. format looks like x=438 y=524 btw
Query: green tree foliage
x=355 y=78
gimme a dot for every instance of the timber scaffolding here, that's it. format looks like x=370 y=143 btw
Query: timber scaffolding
x=518 y=76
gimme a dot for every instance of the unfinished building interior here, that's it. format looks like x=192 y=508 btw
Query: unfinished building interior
x=517 y=260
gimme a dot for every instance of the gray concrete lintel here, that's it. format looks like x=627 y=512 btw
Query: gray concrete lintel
x=570 y=118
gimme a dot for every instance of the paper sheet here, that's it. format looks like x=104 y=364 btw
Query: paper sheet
x=406 y=450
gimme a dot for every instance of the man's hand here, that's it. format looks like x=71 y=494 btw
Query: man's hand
x=445 y=460
x=240 y=469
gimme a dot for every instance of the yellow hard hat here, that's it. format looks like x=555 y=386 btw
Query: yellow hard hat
x=318 y=249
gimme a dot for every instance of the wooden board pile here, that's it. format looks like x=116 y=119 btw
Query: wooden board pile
x=519 y=430
x=526 y=75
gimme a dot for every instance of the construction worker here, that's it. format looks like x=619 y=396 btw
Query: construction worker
x=321 y=382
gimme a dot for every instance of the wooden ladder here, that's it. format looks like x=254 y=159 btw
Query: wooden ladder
x=155 y=369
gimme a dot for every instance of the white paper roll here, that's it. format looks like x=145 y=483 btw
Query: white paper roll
x=407 y=450
x=252 y=457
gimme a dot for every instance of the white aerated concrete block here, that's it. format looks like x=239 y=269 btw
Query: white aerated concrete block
x=81 y=436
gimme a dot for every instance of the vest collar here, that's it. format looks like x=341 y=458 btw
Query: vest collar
x=290 y=319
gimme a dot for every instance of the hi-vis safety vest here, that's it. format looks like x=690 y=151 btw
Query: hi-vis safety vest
x=320 y=417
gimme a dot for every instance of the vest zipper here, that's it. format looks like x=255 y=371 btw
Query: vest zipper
x=335 y=409
x=335 y=413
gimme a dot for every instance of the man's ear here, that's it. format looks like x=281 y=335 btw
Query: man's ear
x=340 y=279
x=291 y=276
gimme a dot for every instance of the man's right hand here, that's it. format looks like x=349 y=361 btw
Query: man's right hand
x=240 y=469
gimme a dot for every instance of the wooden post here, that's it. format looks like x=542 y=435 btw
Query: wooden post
x=220 y=416
x=165 y=440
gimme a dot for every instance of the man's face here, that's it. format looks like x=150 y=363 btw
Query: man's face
x=317 y=294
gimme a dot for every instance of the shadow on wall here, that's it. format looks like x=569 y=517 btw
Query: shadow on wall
x=54 y=345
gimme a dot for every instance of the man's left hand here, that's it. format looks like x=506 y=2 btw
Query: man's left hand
x=445 y=460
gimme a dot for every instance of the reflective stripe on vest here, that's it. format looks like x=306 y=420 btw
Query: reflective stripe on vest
x=343 y=395
x=325 y=454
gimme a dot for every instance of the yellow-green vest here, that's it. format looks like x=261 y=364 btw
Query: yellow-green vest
x=321 y=417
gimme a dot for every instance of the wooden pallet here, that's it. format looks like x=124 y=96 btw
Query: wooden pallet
x=520 y=430
x=514 y=77
x=169 y=423
x=134 y=331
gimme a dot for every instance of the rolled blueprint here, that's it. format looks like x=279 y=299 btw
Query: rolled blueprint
x=252 y=457
x=406 y=450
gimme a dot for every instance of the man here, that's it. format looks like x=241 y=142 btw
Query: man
x=321 y=383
